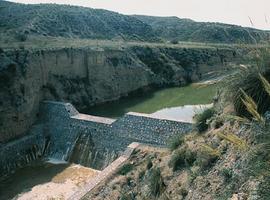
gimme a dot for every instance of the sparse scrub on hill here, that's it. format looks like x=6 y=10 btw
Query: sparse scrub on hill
x=182 y=158
x=201 y=119
x=157 y=185
x=227 y=174
x=175 y=141
x=233 y=139
x=251 y=92
x=149 y=164
x=230 y=161
x=206 y=157
x=21 y=37
x=126 y=168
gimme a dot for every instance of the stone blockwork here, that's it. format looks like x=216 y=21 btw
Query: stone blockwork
x=108 y=137
x=21 y=152
x=65 y=134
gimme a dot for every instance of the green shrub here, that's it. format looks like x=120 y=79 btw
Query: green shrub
x=227 y=174
x=183 y=192
x=174 y=41
x=250 y=82
x=149 y=164
x=125 y=197
x=141 y=174
x=201 y=119
x=182 y=158
x=125 y=169
x=21 y=37
x=206 y=161
x=157 y=186
x=264 y=188
x=175 y=142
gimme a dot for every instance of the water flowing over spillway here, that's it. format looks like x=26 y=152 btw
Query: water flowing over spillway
x=85 y=154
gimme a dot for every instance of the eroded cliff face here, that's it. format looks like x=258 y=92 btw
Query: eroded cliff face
x=86 y=77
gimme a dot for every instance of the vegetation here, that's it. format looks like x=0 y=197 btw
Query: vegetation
x=51 y=20
x=233 y=139
x=173 y=28
x=227 y=174
x=251 y=84
x=182 y=158
x=206 y=157
x=175 y=141
x=126 y=168
x=157 y=186
x=201 y=119
x=149 y=164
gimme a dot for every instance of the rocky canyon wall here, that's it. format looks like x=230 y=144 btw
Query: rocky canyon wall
x=88 y=76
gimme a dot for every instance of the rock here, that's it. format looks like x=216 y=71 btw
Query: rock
x=240 y=196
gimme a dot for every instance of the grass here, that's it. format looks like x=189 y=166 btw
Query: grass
x=182 y=158
x=126 y=168
x=227 y=174
x=157 y=186
x=234 y=139
x=41 y=42
x=248 y=89
x=251 y=107
x=206 y=157
x=201 y=119
x=175 y=142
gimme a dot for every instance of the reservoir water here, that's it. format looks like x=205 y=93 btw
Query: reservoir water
x=179 y=103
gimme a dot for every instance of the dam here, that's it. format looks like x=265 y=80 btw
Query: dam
x=64 y=134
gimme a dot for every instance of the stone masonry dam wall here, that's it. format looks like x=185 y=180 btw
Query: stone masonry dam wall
x=65 y=134
x=88 y=76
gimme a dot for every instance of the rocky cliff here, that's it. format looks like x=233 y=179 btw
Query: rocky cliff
x=88 y=76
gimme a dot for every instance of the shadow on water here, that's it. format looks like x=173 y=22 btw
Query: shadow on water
x=116 y=109
x=26 y=178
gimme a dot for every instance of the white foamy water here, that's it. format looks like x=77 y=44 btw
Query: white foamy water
x=56 y=161
x=181 y=113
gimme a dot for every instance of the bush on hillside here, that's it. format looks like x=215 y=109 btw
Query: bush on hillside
x=21 y=37
x=125 y=169
x=182 y=158
x=227 y=174
x=157 y=186
x=175 y=141
x=201 y=119
x=174 y=41
x=249 y=81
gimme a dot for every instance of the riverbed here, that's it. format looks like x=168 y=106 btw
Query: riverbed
x=45 y=180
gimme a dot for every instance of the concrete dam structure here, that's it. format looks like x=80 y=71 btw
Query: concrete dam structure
x=63 y=133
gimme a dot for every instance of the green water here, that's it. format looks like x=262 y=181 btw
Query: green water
x=156 y=100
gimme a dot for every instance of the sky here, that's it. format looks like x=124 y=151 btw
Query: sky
x=251 y=13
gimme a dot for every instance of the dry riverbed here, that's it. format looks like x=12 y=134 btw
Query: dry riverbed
x=45 y=181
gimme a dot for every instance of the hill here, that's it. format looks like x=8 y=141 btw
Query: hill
x=173 y=28
x=20 y=20
x=71 y=21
